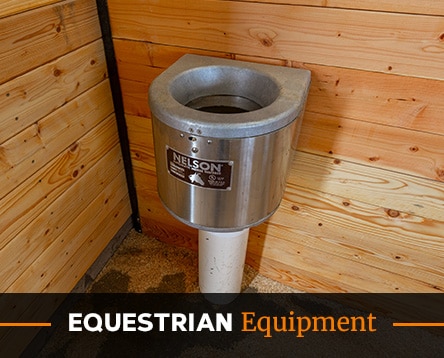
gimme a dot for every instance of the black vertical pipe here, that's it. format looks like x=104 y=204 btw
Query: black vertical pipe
x=113 y=75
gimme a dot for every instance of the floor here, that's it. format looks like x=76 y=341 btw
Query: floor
x=145 y=265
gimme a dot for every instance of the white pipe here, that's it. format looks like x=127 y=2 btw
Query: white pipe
x=221 y=261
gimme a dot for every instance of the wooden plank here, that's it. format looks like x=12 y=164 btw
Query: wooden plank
x=366 y=234
x=376 y=41
x=24 y=154
x=151 y=55
x=37 y=276
x=426 y=7
x=408 y=151
x=344 y=275
x=35 y=37
x=135 y=97
x=12 y=7
x=412 y=103
x=311 y=281
x=28 y=98
x=398 y=101
x=146 y=62
x=294 y=276
x=384 y=188
x=140 y=138
x=21 y=206
x=49 y=224
x=94 y=244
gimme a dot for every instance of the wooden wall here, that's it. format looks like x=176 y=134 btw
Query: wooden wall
x=364 y=205
x=63 y=193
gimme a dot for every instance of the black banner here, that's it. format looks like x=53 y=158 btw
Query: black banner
x=191 y=325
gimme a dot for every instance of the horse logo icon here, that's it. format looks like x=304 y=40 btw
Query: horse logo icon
x=195 y=178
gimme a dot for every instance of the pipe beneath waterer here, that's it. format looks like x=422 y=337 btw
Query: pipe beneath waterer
x=221 y=263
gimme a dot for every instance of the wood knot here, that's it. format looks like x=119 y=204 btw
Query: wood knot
x=57 y=72
x=264 y=36
x=374 y=159
x=267 y=42
x=295 y=208
x=345 y=203
x=440 y=173
x=73 y=147
x=392 y=213
x=337 y=161
x=414 y=148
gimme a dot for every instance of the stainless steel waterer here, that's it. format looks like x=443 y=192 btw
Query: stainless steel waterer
x=223 y=134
